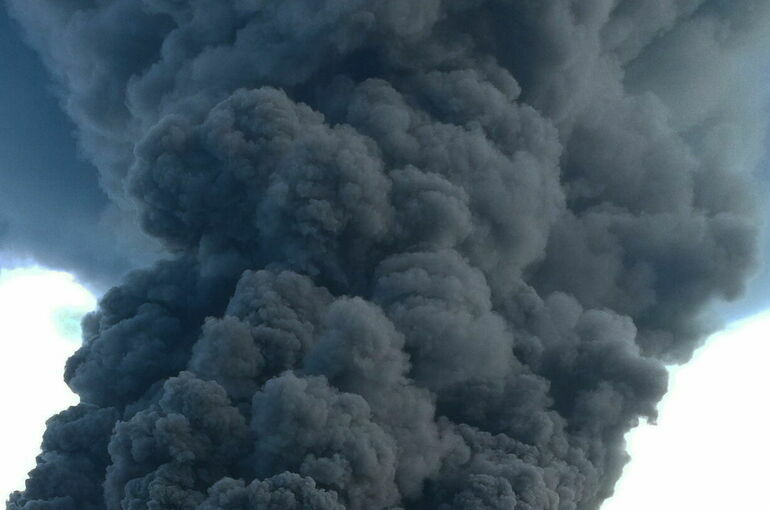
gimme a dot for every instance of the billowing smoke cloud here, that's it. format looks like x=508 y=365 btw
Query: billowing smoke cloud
x=422 y=255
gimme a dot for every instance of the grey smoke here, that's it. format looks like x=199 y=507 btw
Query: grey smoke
x=420 y=255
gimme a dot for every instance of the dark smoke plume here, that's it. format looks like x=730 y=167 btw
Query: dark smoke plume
x=421 y=254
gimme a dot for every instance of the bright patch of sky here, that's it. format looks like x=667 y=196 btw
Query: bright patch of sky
x=40 y=312
x=711 y=445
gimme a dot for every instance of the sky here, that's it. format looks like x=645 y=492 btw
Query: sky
x=40 y=312
x=605 y=218
x=710 y=447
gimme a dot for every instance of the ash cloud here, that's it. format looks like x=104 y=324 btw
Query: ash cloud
x=421 y=255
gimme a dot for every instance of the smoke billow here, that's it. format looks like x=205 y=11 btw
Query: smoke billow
x=421 y=255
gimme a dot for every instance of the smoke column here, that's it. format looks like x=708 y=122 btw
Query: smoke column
x=420 y=255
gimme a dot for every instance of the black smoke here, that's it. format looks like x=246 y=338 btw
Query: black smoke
x=421 y=255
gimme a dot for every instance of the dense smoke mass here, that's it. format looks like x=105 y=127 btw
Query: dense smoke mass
x=420 y=255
